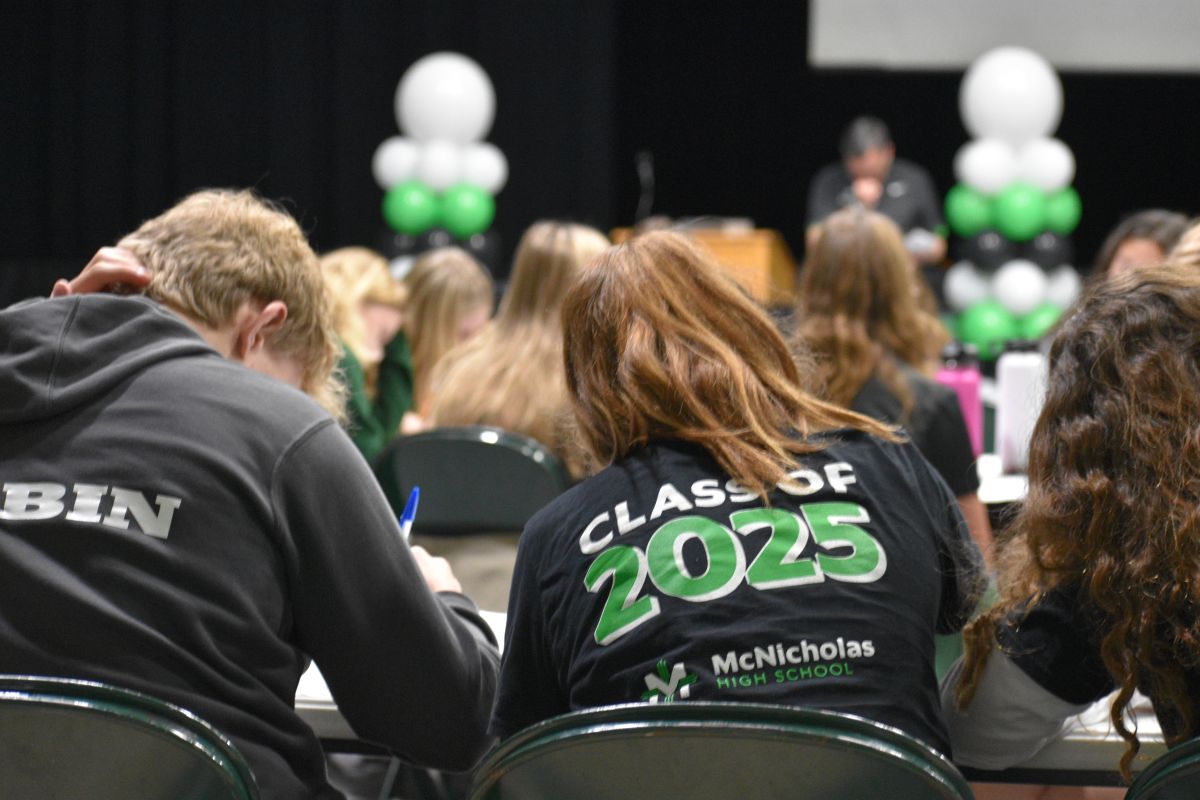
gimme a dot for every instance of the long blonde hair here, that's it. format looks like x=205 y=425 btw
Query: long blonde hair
x=219 y=248
x=659 y=343
x=444 y=285
x=511 y=374
x=860 y=309
x=357 y=275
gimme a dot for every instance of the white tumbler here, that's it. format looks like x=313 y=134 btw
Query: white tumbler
x=1020 y=392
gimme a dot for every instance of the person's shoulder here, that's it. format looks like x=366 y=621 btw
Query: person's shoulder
x=626 y=479
x=895 y=458
x=875 y=400
x=904 y=169
x=229 y=394
x=831 y=173
x=926 y=391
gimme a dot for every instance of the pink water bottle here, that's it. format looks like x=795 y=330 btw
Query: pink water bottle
x=960 y=371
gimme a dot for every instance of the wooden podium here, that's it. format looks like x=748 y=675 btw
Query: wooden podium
x=758 y=259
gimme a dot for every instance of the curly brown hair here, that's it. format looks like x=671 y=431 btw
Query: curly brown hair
x=1113 y=509
x=860 y=308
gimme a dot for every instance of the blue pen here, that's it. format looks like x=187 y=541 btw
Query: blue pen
x=410 y=512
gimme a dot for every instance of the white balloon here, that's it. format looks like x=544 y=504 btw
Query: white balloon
x=483 y=165
x=964 y=286
x=1010 y=93
x=1019 y=286
x=445 y=96
x=986 y=165
x=1046 y=163
x=395 y=161
x=440 y=165
x=1064 y=286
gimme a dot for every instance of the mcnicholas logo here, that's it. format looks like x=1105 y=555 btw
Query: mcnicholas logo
x=665 y=687
x=797 y=662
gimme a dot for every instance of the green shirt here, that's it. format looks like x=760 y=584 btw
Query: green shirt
x=372 y=424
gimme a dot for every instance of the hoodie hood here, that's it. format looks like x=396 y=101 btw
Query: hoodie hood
x=58 y=354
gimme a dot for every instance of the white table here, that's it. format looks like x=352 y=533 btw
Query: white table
x=1087 y=754
x=996 y=488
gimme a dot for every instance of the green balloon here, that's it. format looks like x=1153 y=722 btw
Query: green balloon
x=967 y=211
x=410 y=207
x=987 y=325
x=1037 y=323
x=1063 y=210
x=1020 y=211
x=467 y=210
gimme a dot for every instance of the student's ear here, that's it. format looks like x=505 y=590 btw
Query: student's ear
x=256 y=328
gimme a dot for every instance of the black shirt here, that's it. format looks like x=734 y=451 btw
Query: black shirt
x=909 y=198
x=935 y=424
x=1057 y=644
x=659 y=579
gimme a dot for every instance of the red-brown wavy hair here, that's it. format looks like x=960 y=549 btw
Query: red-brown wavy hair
x=659 y=343
x=1113 y=509
x=860 y=307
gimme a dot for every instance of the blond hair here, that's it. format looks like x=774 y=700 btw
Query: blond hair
x=218 y=249
x=860 y=309
x=511 y=374
x=357 y=275
x=1186 y=251
x=659 y=343
x=444 y=285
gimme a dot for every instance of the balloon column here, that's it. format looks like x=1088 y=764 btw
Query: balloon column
x=441 y=173
x=1013 y=207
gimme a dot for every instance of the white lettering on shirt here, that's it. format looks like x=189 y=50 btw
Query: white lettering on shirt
x=39 y=502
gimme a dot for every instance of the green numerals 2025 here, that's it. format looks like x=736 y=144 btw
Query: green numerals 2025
x=780 y=563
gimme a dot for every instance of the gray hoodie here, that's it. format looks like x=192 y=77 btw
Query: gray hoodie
x=177 y=524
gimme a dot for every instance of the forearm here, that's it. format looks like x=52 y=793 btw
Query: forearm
x=976 y=515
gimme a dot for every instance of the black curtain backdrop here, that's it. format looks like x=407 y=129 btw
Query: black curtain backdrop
x=115 y=110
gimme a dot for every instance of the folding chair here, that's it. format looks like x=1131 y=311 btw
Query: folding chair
x=66 y=738
x=714 y=751
x=1174 y=775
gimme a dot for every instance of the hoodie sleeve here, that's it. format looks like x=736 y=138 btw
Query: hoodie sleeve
x=411 y=670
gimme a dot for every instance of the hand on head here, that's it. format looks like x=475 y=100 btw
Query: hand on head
x=112 y=269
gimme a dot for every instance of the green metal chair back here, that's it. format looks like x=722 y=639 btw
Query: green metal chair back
x=65 y=738
x=472 y=479
x=714 y=751
x=1175 y=775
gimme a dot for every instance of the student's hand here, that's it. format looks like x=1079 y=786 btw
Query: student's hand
x=112 y=269
x=436 y=570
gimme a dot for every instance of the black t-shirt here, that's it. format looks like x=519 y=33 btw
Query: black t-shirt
x=935 y=424
x=661 y=580
x=1057 y=644
x=908 y=199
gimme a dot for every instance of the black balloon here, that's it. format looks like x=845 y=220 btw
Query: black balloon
x=435 y=238
x=1049 y=250
x=485 y=247
x=987 y=250
x=392 y=244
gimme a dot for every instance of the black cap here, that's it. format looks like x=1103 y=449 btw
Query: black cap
x=1021 y=346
